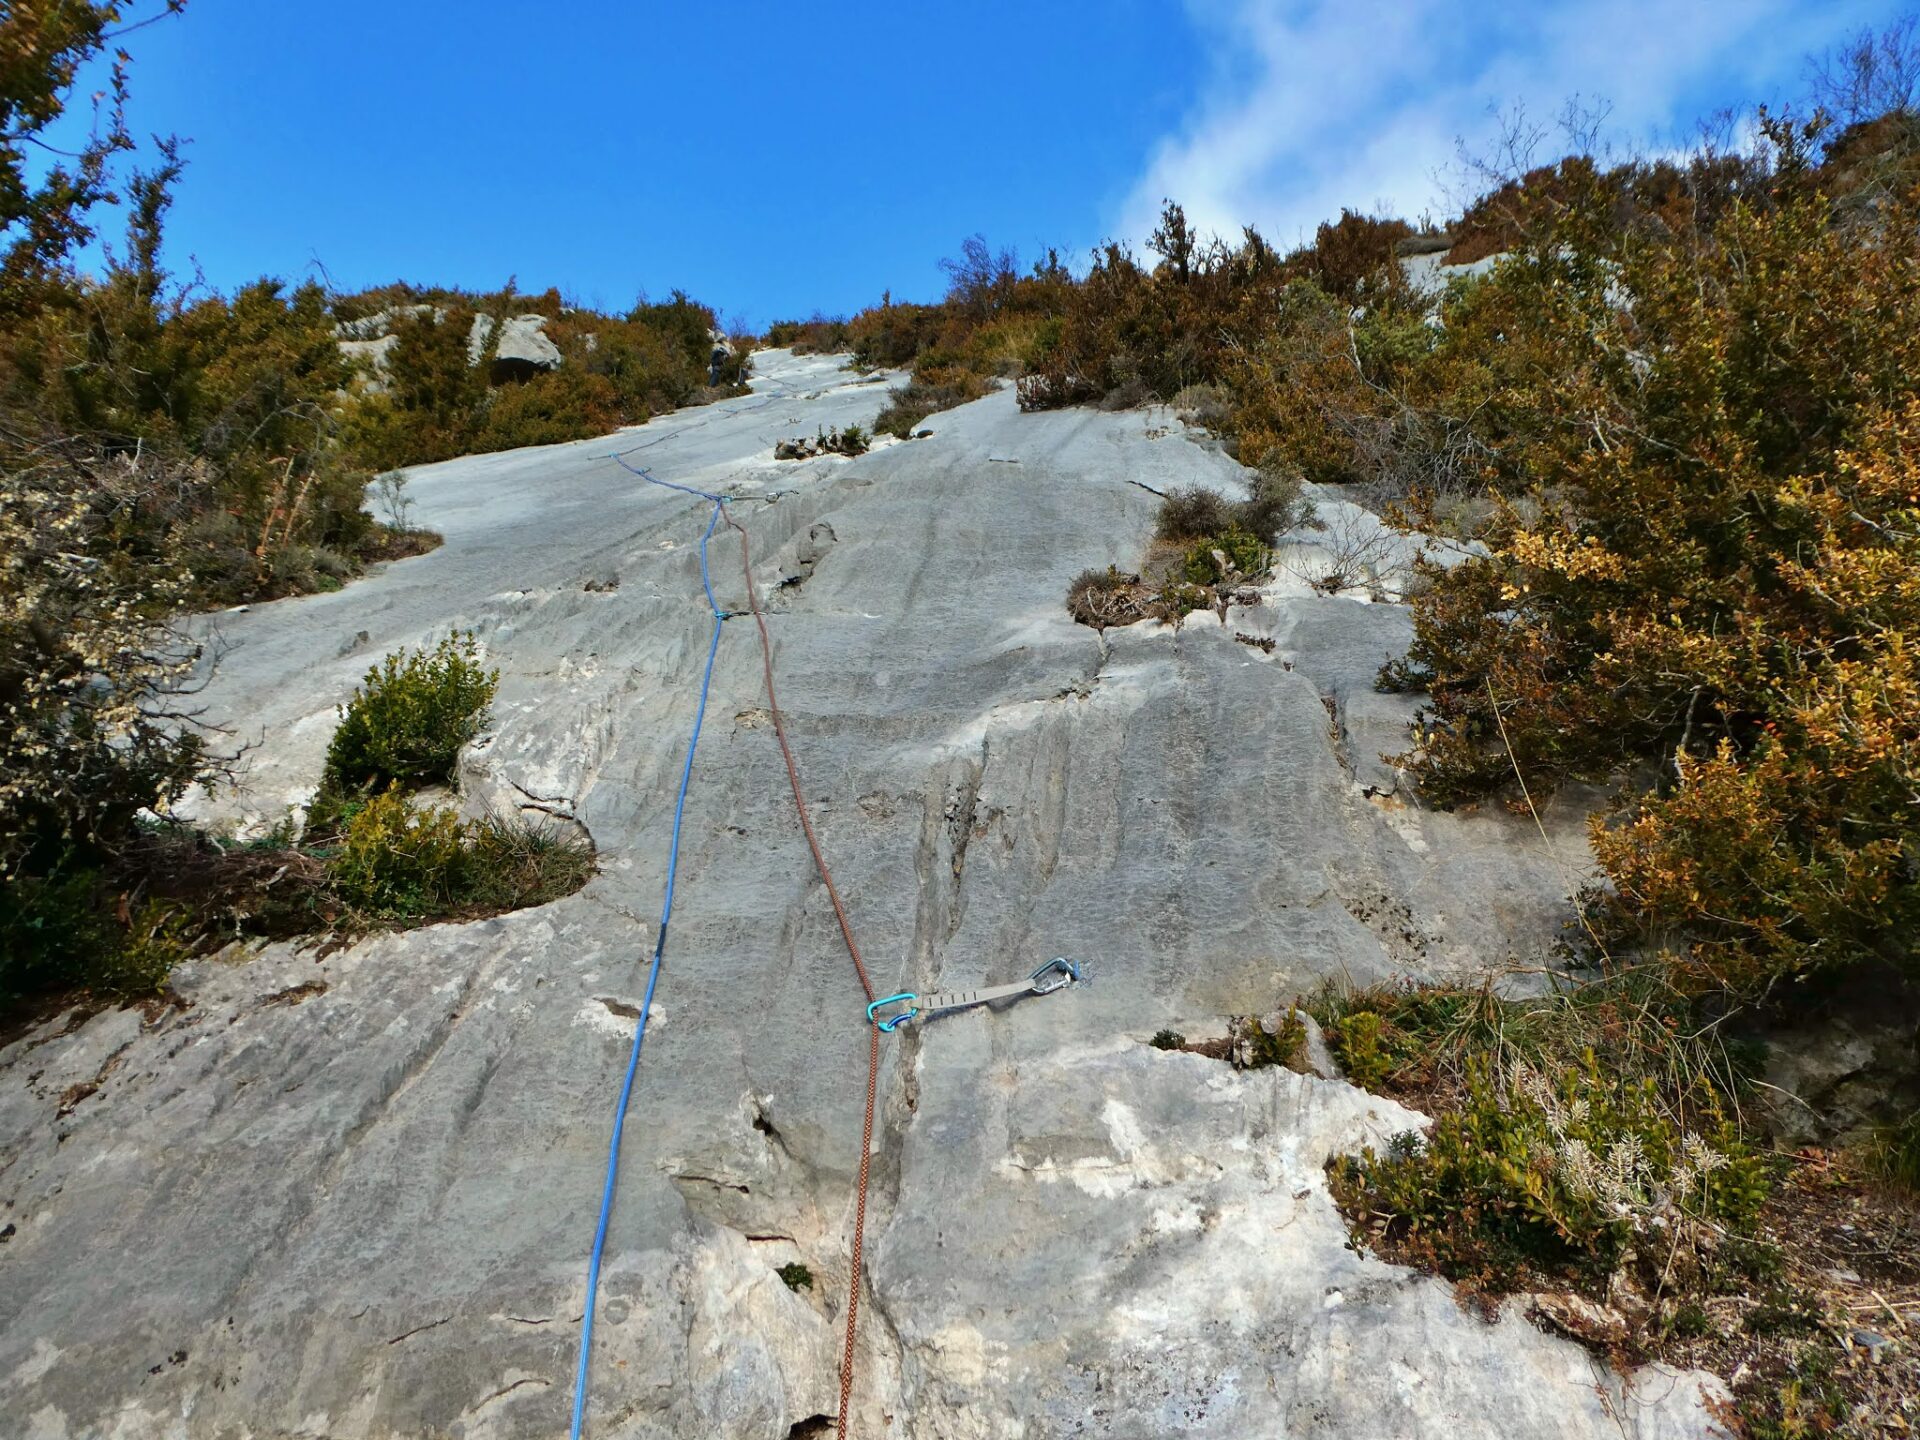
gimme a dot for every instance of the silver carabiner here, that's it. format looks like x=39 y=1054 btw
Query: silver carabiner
x=1066 y=973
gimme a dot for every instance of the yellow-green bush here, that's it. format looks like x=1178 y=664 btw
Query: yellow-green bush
x=410 y=717
x=396 y=859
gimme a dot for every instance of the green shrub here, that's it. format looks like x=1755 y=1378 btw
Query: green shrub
x=1168 y=1040
x=409 y=719
x=58 y=932
x=795 y=1276
x=52 y=926
x=1285 y=1045
x=399 y=861
x=1246 y=558
x=1562 y=1172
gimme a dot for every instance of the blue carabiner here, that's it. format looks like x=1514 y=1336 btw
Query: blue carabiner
x=888 y=1026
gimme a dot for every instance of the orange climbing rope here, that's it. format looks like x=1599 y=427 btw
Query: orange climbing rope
x=859 y=965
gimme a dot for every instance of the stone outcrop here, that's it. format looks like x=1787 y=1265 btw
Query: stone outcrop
x=524 y=349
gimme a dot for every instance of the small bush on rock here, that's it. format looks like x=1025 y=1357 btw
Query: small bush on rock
x=1191 y=512
x=60 y=931
x=399 y=860
x=795 y=1277
x=410 y=718
x=1272 y=507
x=1246 y=558
x=1284 y=1045
x=1103 y=597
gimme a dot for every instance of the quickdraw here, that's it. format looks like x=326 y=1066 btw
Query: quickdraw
x=1057 y=974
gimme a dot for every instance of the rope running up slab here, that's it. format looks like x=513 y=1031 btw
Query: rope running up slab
x=860 y=967
x=653 y=973
x=720 y=512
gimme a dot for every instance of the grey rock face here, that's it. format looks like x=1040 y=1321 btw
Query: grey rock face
x=352 y=1196
x=1846 y=1067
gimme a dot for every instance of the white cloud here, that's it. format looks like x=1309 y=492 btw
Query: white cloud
x=1316 y=104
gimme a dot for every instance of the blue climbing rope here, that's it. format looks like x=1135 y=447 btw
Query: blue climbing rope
x=659 y=950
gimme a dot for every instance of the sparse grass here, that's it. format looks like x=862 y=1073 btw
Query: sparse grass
x=1578 y=1176
x=519 y=862
x=938 y=389
x=1413 y=1040
x=1893 y=1155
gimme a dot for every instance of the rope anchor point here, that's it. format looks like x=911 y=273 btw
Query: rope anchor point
x=1057 y=974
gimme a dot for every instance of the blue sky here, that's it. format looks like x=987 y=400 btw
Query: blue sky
x=777 y=158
